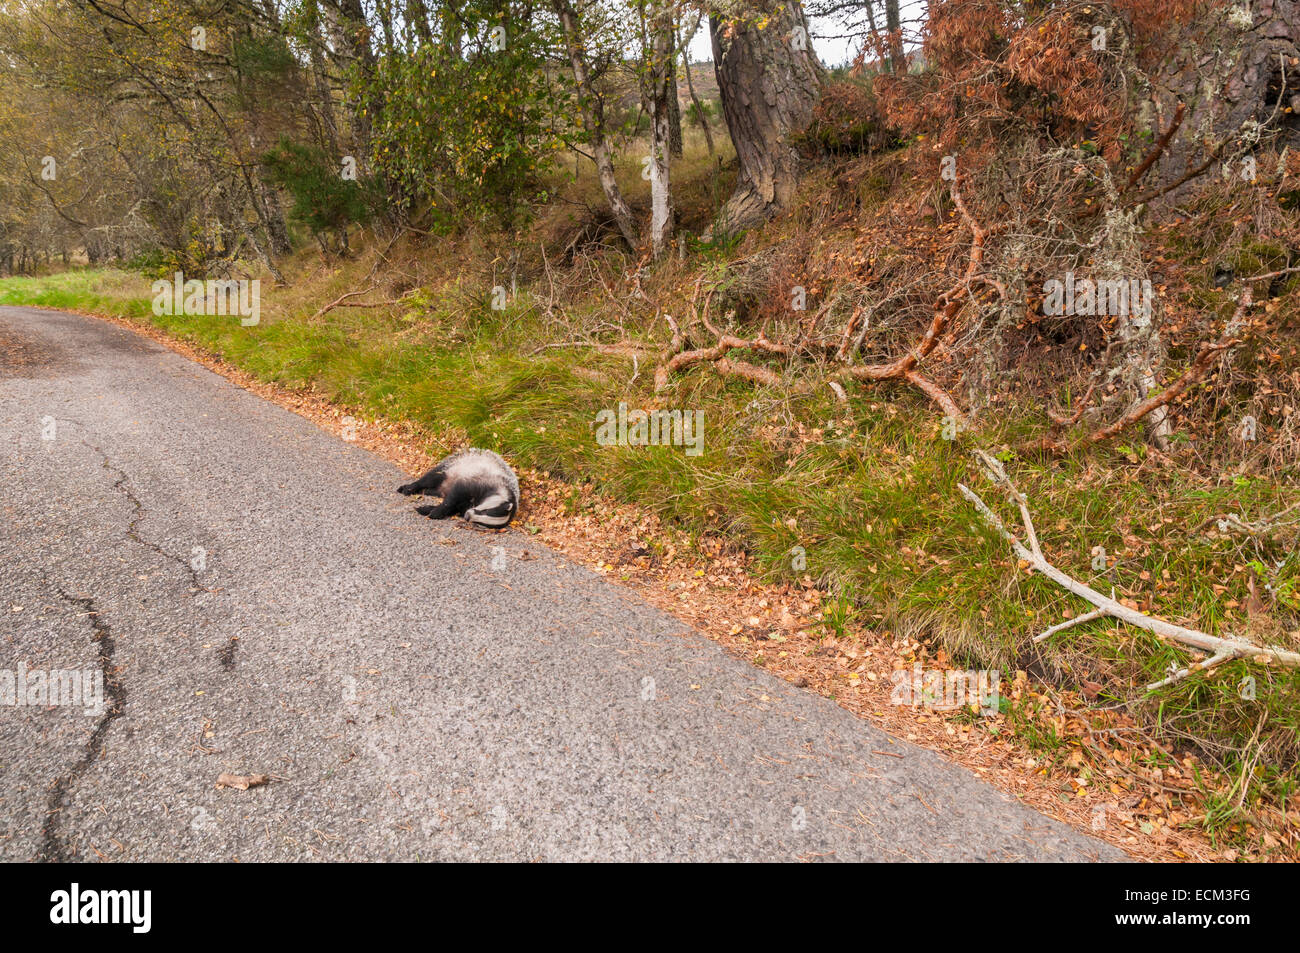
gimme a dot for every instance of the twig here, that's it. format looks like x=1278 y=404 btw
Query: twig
x=1157 y=149
x=1213 y=660
x=337 y=302
x=1077 y=620
x=1273 y=274
x=1199 y=366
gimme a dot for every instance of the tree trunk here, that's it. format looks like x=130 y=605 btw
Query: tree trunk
x=684 y=45
x=1245 y=80
x=320 y=79
x=354 y=37
x=592 y=114
x=674 y=107
x=276 y=228
x=768 y=86
x=699 y=106
x=663 y=92
x=894 y=24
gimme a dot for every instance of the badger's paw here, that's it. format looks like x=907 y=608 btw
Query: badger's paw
x=406 y=489
x=430 y=509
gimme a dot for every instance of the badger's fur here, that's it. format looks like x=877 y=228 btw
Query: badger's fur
x=475 y=484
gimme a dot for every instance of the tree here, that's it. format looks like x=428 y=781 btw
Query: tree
x=697 y=108
x=661 y=93
x=465 y=136
x=894 y=26
x=591 y=110
x=674 y=107
x=769 y=80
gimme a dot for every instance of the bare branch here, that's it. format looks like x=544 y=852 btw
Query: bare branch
x=1108 y=605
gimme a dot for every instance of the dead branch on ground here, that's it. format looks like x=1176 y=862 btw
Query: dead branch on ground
x=1221 y=649
x=904 y=368
x=343 y=302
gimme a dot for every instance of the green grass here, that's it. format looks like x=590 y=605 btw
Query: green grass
x=872 y=498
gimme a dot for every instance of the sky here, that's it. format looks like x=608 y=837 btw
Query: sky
x=831 y=48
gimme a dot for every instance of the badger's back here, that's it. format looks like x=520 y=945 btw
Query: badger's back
x=482 y=467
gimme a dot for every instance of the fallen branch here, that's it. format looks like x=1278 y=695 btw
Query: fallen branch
x=1231 y=521
x=752 y=372
x=1203 y=665
x=902 y=368
x=847 y=336
x=1198 y=369
x=1272 y=274
x=1107 y=605
x=338 y=302
x=946 y=309
x=1157 y=149
x=936 y=393
x=1077 y=620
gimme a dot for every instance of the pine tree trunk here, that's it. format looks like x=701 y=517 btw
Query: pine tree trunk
x=769 y=80
x=1255 y=75
x=894 y=24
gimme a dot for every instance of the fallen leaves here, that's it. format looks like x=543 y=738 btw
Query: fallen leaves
x=242 y=782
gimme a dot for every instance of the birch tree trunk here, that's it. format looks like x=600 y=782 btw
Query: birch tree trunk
x=592 y=115
x=663 y=91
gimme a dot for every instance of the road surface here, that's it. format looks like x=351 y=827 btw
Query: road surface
x=258 y=600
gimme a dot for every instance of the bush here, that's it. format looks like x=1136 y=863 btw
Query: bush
x=847 y=119
x=323 y=200
x=465 y=136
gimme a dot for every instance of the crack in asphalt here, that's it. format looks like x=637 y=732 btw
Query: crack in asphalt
x=52 y=849
x=140 y=510
x=140 y=513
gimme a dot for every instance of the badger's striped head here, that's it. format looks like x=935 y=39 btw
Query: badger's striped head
x=495 y=510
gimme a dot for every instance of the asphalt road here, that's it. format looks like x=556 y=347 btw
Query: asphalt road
x=259 y=600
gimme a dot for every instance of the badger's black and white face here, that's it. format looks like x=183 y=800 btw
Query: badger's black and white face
x=475 y=484
x=496 y=510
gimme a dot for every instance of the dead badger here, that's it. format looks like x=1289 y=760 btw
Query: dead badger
x=476 y=484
